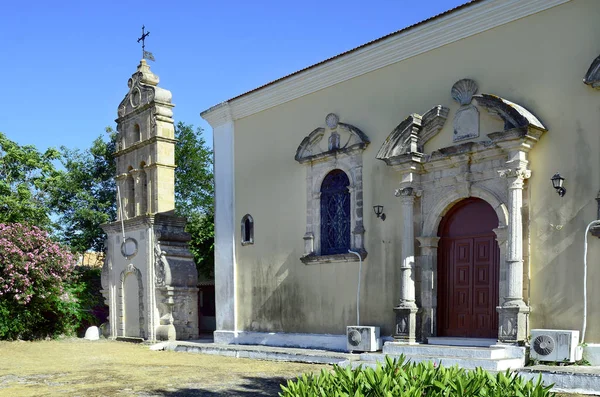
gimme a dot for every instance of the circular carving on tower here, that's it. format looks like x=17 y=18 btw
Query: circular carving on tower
x=136 y=97
x=129 y=247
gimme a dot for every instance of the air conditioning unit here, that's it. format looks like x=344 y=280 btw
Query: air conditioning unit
x=363 y=338
x=555 y=345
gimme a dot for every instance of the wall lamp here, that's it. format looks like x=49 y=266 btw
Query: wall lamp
x=379 y=211
x=557 y=183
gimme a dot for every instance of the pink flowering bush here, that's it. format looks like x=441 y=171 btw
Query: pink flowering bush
x=37 y=288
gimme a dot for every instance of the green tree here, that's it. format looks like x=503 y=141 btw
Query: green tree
x=194 y=194
x=194 y=185
x=83 y=196
x=25 y=174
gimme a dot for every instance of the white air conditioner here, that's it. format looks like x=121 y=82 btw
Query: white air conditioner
x=555 y=345
x=363 y=338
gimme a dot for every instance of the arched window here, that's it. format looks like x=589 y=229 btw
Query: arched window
x=143 y=194
x=129 y=195
x=247 y=230
x=335 y=213
x=137 y=133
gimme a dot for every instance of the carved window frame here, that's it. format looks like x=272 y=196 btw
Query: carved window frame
x=348 y=159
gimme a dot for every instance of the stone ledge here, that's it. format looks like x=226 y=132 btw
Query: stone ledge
x=313 y=259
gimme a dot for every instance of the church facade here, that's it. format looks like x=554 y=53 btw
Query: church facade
x=426 y=158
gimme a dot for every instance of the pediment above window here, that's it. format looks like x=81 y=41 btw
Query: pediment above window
x=513 y=115
x=411 y=135
x=592 y=77
x=406 y=143
x=329 y=141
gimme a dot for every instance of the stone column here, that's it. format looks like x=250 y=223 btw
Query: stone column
x=514 y=310
x=406 y=311
x=428 y=258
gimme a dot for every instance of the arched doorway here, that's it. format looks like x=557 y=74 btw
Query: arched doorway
x=468 y=271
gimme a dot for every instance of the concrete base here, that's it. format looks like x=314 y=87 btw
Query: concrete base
x=591 y=353
x=260 y=352
x=492 y=358
x=569 y=379
x=280 y=339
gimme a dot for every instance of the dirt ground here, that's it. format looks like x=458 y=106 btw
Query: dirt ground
x=77 y=367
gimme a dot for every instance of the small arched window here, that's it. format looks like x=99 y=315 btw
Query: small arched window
x=137 y=133
x=247 y=230
x=335 y=213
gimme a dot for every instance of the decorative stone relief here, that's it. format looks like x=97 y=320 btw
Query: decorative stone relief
x=592 y=77
x=160 y=262
x=410 y=136
x=335 y=146
x=513 y=115
x=466 y=119
x=341 y=138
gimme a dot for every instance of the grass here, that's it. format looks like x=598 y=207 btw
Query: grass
x=76 y=367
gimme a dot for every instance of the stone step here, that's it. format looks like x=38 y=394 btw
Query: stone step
x=262 y=352
x=495 y=352
x=371 y=360
x=455 y=341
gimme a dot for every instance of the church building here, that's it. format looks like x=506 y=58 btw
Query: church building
x=454 y=163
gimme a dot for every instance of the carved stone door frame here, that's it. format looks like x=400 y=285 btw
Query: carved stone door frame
x=494 y=170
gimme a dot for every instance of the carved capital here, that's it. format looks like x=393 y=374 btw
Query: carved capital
x=404 y=192
x=428 y=245
x=515 y=176
x=501 y=234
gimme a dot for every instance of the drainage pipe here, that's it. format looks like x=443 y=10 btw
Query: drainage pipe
x=358 y=287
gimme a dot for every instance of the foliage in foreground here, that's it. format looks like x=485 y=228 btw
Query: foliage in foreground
x=400 y=378
x=25 y=175
x=37 y=292
x=83 y=195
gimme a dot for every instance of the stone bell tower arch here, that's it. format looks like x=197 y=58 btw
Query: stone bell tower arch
x=148 y=242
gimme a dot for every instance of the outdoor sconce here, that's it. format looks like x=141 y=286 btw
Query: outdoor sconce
x=557 y=183
x=379 y=211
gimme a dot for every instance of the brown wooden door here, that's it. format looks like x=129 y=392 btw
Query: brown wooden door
x=468 y=271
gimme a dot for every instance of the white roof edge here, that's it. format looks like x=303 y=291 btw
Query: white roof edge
x=424 y=37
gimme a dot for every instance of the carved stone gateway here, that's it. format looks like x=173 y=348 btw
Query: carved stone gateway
x=149 y=279
x=494 y=170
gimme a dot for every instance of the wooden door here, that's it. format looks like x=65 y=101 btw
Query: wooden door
x=468 y=271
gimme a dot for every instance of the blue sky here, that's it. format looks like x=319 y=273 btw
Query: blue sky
x=64 y=65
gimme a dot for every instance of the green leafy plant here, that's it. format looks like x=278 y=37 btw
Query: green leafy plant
x=402 y=378
x=37 y=287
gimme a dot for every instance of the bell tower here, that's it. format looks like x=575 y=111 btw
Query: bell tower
x=149 y=278
x=146 y=147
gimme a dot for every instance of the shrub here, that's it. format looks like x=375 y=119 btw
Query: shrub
x=37 y=292
x=91 y=302
x=400 y=378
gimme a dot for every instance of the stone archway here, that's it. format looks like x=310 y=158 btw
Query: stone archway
x=468 y=271
x=429 y=242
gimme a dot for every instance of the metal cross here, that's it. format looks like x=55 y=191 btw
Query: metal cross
x=142 y=39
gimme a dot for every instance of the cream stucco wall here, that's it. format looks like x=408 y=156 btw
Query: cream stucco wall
x=538 y=62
